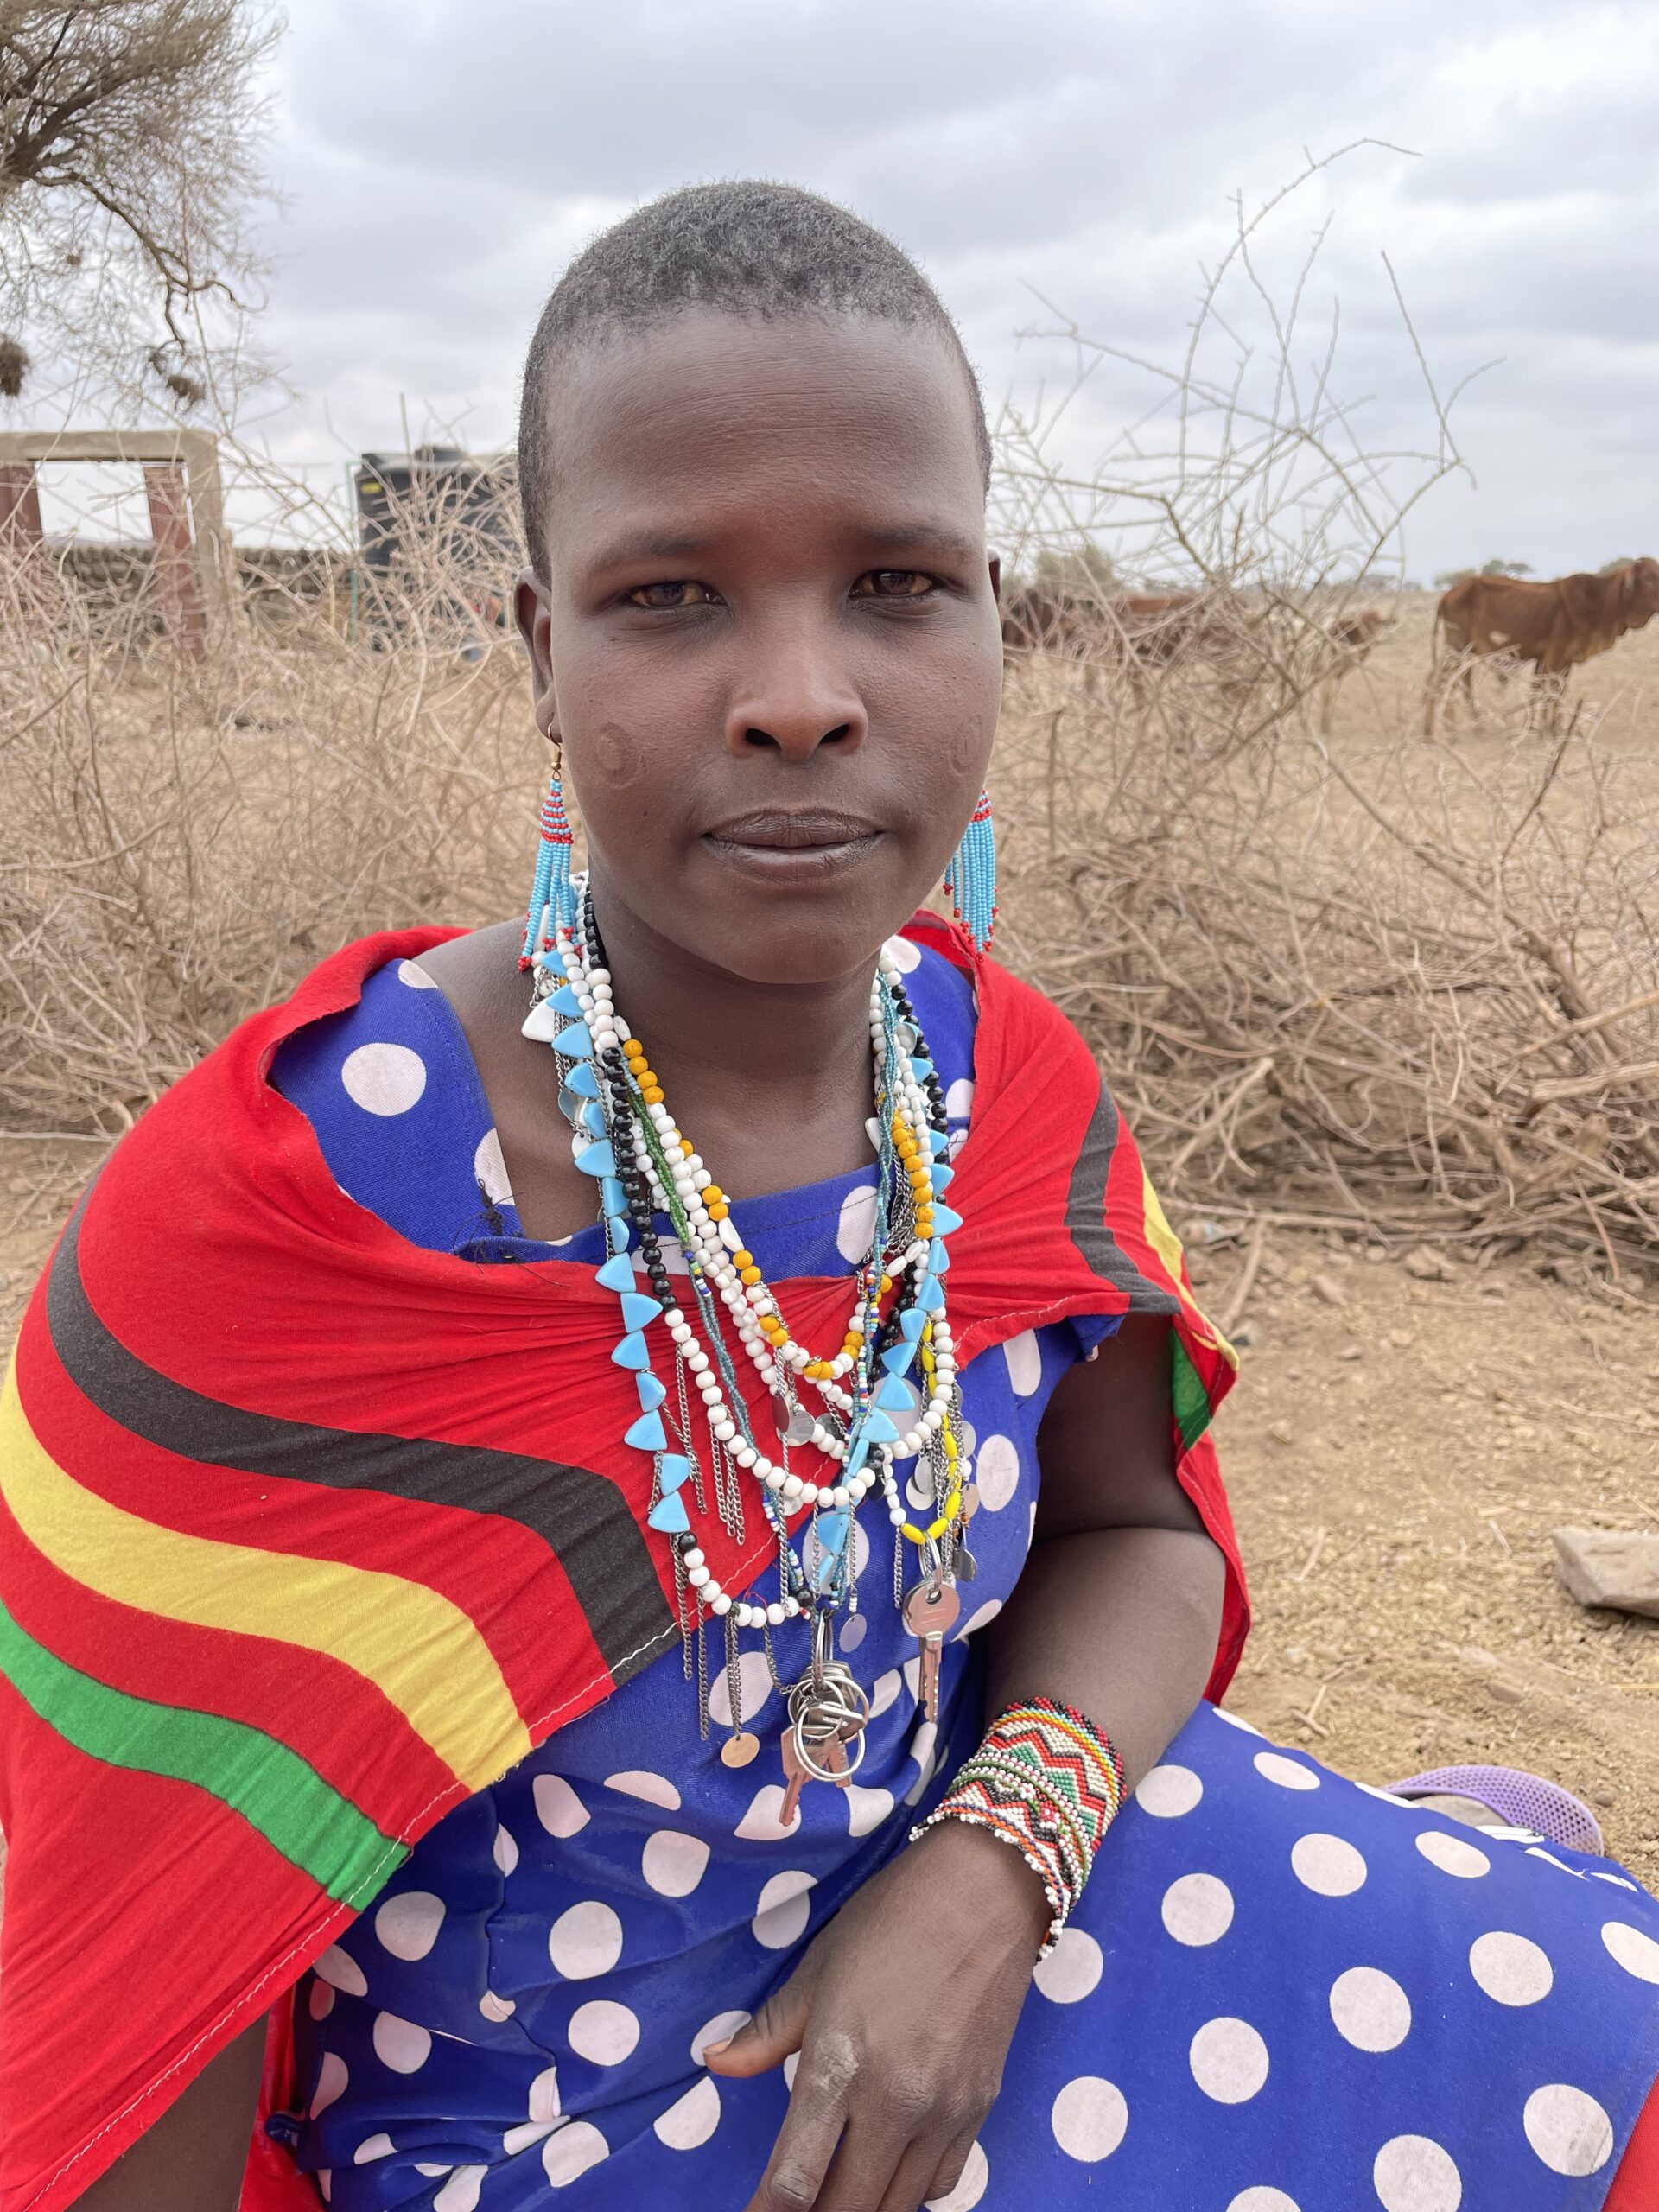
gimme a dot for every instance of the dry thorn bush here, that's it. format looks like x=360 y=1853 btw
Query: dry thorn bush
x=187 y=837
x=1412 y=991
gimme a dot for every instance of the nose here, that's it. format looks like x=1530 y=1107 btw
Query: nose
x=795 y=695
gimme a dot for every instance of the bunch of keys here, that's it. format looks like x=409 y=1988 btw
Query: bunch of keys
x=828 y=1711
x=930 y=1613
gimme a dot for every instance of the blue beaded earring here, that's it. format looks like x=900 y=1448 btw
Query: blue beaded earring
x=552 y=897
x=971 y=877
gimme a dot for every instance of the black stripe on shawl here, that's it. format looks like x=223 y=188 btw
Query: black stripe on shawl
x=582 y=1518
x=1085 y=1215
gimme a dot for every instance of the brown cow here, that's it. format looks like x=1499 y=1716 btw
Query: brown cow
x=1551 y=626
x=1348 y=639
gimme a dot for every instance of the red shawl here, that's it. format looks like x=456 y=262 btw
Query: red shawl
x=306 y=1535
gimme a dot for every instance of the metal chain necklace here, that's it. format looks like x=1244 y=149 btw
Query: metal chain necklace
x=888 y=1392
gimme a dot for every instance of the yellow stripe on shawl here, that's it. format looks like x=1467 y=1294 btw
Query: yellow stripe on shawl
x=1167 y=1245
x=416 y=1646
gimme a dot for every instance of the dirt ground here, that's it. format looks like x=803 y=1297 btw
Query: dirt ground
x=1397 y=1452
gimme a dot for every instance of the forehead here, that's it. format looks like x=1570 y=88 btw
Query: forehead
x=705 y=419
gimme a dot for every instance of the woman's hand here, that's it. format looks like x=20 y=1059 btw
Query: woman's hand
x=902 y=2010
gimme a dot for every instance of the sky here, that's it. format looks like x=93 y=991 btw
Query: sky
x=1052 y=162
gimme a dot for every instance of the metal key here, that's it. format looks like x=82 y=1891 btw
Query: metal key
x=930 y=1614
x=795 y=1778
x=831 y=1755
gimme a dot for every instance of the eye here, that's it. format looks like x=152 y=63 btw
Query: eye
x=894 y=584
x=673 y=596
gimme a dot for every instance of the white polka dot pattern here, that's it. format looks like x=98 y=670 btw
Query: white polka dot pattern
x=1168 y=1792
x=971 y=2187
x=572 y=2150
x=1089 y=2118
x=780 y=1917
x=1511 y=1969
x=996 y=1470
x=558 y=1809
x=342 y=1971
x=461 y=2192
x=1072 y=1969
x=1262 y=2200
x=1229 y=2061
x=907 y=957
x=401 y=2044
x=373 y=2147
x=603 y=2032
x=585 y=1940
x=688 y=2124
x=1327 y=1865
x=764 y=1821
x=857 y=1224
x=1369 y=2010
x=489 y=1170
x=754 y=1686
x=1286 y=1773
x=1197 y=1910
x=1629 y=1948
x=1413 y=2173
x=332 y=2079
x=383 y=1079
x=651 y=1789
x=716 y=2031
x=1568 y=2129
x=408 y=1924
x=1024 y=1355
x=1452 y=1855
x=674 y=1863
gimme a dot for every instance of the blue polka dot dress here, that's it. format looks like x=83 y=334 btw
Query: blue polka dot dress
x=1282 y=1991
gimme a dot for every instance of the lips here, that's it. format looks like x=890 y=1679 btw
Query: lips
x=793 y=845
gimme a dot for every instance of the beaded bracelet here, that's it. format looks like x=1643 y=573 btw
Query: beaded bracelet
x=1048 y=1782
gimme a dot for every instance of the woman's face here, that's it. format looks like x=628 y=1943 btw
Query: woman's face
x=769 y=641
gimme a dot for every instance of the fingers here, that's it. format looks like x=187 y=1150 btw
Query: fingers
x=806 y=2143
x=948 y=2172
x=922 y=2175
x=768 y=2039
x=891 y=2155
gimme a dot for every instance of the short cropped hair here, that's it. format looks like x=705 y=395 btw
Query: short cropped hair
x=747 y=248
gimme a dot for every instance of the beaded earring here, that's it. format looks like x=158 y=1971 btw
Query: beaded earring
x=552 y=888
x=971 y=877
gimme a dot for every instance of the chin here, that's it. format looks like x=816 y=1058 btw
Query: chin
x=822 y=945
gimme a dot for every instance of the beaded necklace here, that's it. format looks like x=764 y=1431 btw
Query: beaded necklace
x=871 y=1410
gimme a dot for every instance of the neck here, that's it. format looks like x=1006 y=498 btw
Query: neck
x=787 y=1065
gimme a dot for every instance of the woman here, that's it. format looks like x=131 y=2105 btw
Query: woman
x=404 y=1398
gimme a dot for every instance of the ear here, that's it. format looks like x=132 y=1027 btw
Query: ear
x=534 y=615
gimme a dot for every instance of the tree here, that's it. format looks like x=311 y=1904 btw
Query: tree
x=129 y=154
x=1450 y=576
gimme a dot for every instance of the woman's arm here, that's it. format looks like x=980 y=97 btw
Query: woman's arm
x=193 y=2159
x=904 y=2007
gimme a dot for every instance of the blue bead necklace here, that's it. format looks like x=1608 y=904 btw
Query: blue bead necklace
x=872 y=1409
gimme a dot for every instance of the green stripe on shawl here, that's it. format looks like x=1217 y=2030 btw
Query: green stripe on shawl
x=1190 y=1399
x=273 y=1788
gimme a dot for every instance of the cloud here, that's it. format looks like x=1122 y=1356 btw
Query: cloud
x=443 y=161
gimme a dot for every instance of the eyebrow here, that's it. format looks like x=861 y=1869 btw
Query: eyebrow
x=666 y=545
